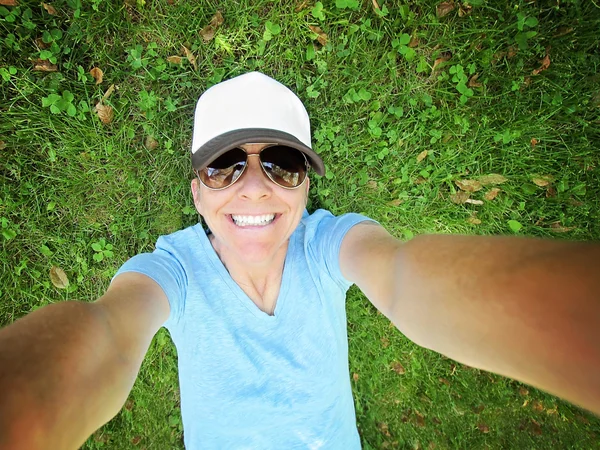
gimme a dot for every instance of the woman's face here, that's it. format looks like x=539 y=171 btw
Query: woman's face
x=230 y=213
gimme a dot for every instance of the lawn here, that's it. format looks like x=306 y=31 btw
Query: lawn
x=478 y=117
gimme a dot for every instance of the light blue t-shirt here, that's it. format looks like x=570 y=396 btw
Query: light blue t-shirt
x=249 y=380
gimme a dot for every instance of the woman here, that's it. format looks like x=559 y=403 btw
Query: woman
x=255 y=306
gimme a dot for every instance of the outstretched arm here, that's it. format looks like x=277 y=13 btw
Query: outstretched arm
x=66 y=369
x=524 y=308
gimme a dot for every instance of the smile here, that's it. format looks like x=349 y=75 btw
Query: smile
x=253 y=221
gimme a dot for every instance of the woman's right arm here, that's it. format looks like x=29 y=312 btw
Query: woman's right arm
x=67 y=368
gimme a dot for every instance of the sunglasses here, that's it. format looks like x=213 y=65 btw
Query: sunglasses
x=285 y=166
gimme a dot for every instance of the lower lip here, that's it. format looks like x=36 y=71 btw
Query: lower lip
x=253 y=227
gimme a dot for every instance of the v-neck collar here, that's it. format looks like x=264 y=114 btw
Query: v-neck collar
x=237 y=291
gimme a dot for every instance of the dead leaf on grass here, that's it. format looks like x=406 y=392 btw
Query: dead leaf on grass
x=321 y=37
x=108 y=92
x=473 y=220
x=301 y=6
x=355 y=376
x=491 y=194
x=150 y=143
x=9 y=3
x=442 y=59
x=97 y=73
x=444 y=8
x=474 y=202
x=469 y=185
x=372 y=184
x=190 y=56
x=208 y=32
x=492 y=179
x=383 y=427
x=534 y=142
x=2 y=145
x=537 y=405
x=460 y=197
x=545 y=63
x=421 y=156
x=478 y=409
x=414 y=42
x=550 y=191
x=175 y=59
x=50 y=9
x=542 y=180
x=105 y=113
x=444 y=381
x=396 y=202
x=376 y=5
x=473 y=83
x=398 y=368
x=43 y=65
x=536 y=428
x=385 y=342
x=136 y=440
x=464 y=10
x=59 y=278
x=420 y=419
x=556 y=227
x=523 y=391
x=483 y=427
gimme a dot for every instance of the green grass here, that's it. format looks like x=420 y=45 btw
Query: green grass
x=375 y=103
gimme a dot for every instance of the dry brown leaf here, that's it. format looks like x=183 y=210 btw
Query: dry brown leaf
x=460 y=197
x=556 y=227
x=414 y=42
x=9 y=3
x=190 y=56
x=421 y=156
x=443 y=380
x=174 y=59
x=542 y=180
x=491 y=194
x=41 y=44
x=372 y=184
x=473 y=83
x=97 y=73
x=2 y=145
x=383 y=427
x=59 y=277
x=525 y=403
x=355 y=376
x=474 y=202
x=398 y=368
x=321 y=37
x=478 y=409
x=150 y=143
x=396 y=202
x=523 y=391
x=537 y=405
x=512 y=52
x=550 y=191
x=420 y=180
x=442 y=59
x=534 y=142
x=492 y=179
x=136 y=440
x=50 y=9
x=444 y=8
x=208 y=32
x=536 y=427
x=105 y=113
x=385 y=342
x=483 y=427
x=464 y=10
x=108 y=92
x=469 y=185
x=545 y=63
x=552 y=411
x=301 y=6
x=474 y=220
x=376 y=5
x=43 y=65
x=420 y=419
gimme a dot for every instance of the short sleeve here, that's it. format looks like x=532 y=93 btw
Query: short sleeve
x=325 y=233
x=166 y=270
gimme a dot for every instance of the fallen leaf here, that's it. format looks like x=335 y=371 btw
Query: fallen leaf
x=420 y=180
x=396 y=202
x=550 y=191
x=491 y=194
x=355 y=376
x=190 y=56
x=523 y=391
x=474 y=202
x=43 y=65
x=136 y=440
x=383 y=427
x=208 y=32
x=97 y=73
x=376 y=5
x=460 y=197
x=473 y=83
x=552 y=411
x=534 y=142
x=483 y=428
x=59 y=277
x=129 y=404
x=474 y=220
x=41 y=44
x=2 y=145
x=421 y=156
x=444 y=8
x=537 y=405
x=414 y=42
x=372 y=184
x=512 y=52
x=50 y=9
x=398 y=368
x=536 y=427
x=464 y=10
x=174 y=59
x=385 y=342
x=556 y=227
x=9 y=3
x=469 y=185
x=443 y=380
x=542 y=180
x=150 y=143
x=108 y=92
x=478 y=409
x=492 y=179
x=321 y=37
x=105 y=113
x=442 y=59
x=301 y=6
x=545 y=63
x=420 y=419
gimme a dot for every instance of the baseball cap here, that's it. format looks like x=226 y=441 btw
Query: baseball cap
x=250 y=108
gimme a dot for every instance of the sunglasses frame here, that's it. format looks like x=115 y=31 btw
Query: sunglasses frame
x=267 y=145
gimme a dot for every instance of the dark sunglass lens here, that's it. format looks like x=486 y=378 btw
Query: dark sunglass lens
x=286 y=166
x=224 y=170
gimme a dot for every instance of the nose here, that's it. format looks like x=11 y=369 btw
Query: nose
x=254 y=184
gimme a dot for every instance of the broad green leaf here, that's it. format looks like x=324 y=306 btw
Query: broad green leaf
x=514 y=225
x=317 y=11
x=97 y=247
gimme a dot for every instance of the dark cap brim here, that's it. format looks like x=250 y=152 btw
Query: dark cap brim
x=232 y=139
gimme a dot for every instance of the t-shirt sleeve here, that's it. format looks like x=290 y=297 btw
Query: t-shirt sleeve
x=165 y=269
x=326 y=233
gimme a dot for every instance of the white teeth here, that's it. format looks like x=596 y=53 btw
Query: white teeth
x=243 y=221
